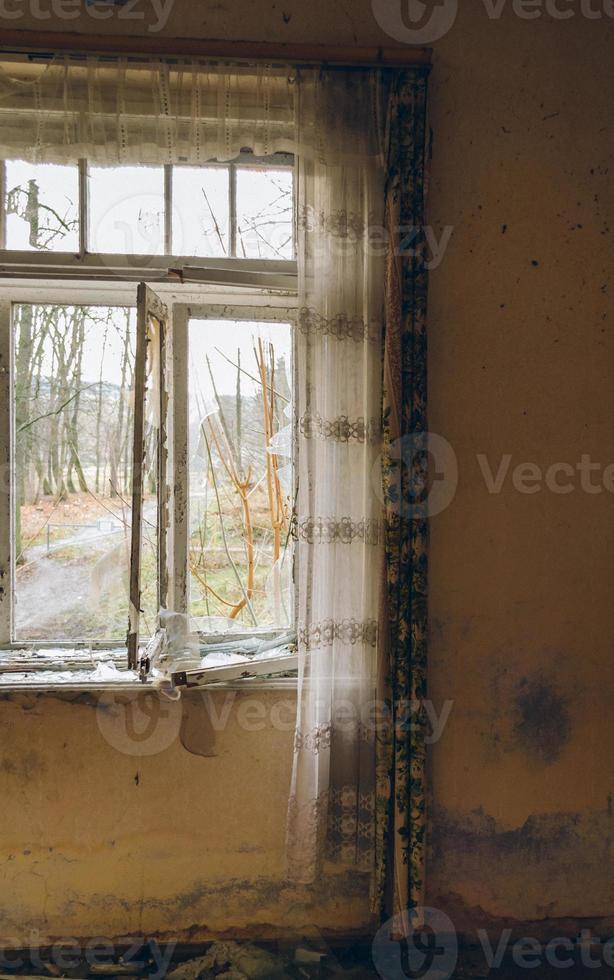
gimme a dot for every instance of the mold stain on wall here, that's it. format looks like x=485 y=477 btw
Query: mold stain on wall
x=543 y=726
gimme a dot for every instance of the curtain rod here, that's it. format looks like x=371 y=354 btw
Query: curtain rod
x=50 y=42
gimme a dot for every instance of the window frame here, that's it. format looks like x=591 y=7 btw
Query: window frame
x=149 y=308
x=181 y=316
x=202 y=301
x=166 y=266
x=9 y=298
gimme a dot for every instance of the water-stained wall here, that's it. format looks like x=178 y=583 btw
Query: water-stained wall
x=131 y=816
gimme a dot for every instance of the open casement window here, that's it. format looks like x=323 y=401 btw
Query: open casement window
x=152 y=446
x=151 y=399
x=227 y=592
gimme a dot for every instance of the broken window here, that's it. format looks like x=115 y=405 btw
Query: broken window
x=99 y=531
x=240 y=475
x=201 y=211
x=146 y=313
x=243 y=209
x=41 y=207
x=265 y=213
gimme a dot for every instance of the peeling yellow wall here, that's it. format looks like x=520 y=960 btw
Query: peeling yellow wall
x=521 y=361
x=153 y=818
x=521 y=355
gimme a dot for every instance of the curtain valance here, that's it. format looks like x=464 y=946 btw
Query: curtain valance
x=143 y=113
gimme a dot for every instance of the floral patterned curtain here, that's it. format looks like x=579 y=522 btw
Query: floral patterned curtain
x=401 y=795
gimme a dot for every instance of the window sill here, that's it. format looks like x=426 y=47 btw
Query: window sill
x=39 y=686
x=64 y=669
x=42 y=671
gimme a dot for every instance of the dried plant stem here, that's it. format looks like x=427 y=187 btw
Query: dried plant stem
x=242 y=487
x=246 y=599
x=276 y=504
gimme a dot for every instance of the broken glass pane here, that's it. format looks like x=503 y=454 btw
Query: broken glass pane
x=240 y=476
x=265 y=213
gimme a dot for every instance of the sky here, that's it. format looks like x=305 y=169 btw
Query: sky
x=209 y=337
x=126 y=210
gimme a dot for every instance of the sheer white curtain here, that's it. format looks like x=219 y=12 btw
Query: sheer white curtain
x=142 y=112
x=338 y=523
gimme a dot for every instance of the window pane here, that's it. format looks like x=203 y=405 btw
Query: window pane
x=201 y=211
x=265 y=214
x=127 y=210
x=149 y=528
x=241 y=475
x=73 y=415
x=42 y=205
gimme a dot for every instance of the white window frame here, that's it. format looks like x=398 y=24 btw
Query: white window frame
x=181 y=315
x=237 y=300
x=170 y=268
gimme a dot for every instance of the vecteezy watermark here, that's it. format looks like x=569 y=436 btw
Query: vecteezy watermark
x=148 y=723
x=346 y=716
x=559 y=478
x=555 y=9
x=425 y=21
x=422 y=474
x=421 y=471
x=435 y=248
x=423 y=943
x=140 y=725
x=413 y=21
x=67 y=954
x=342 y=234
x=151 y=14
x=420 y=942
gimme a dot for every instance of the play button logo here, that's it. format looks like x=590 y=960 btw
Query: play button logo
x=422 y=942
x=415 y=21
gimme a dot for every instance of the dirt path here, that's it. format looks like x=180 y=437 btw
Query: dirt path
x=49 y=589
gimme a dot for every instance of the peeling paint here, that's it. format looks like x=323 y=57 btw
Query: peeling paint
x=501 y=870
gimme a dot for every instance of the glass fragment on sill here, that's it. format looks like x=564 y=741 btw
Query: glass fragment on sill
x=175 y=647
x=61 y=666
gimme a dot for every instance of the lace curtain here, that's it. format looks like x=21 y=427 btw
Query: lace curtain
x=142 y=113
x=339 y=519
